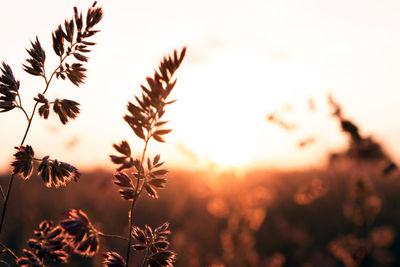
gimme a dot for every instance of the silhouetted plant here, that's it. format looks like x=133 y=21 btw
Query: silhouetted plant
x=50 y=243
x=83 y=236
x=113 y=259
x=145 y=119
x=71 y=44
x=76 y=233
x=155 y=244
x=360 y=147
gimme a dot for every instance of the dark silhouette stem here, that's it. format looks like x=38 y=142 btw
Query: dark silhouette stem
x=137 y=194
x=128 y=249
x=35 y=106
x=3 y=213
x=8 y=250
x=111 y=236
x=19 y=105
x=30 y=119
x=23 y=110
x=145 y=258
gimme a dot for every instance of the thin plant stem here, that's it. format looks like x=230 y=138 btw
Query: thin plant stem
x=145 y=258
x=137 y=194
x=8 y=250
x=3 y=213
x=19 y=99
x=19 y=105
x=111 y=236
x=128 y=249
x=36 y=104
x=30 y=119
x=23 y=110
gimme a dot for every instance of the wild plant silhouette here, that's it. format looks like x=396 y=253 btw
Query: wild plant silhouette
x=145 y=119
x=76 y=234
x=343 y=215
x=71 y=43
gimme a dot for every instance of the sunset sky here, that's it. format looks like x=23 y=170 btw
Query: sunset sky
x=245 y=59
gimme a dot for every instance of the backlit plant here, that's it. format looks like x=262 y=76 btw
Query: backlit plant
x=76 y=233
x=71 y=44
x=145 y=119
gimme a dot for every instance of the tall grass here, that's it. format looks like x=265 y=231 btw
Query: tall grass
x=76 y=234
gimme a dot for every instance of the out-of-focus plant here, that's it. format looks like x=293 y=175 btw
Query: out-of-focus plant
x=242 y=216
x=365 y=245
x=364 y=159
x=362 y=247
x=310 y=192
x=361 y=148
x=49 y=243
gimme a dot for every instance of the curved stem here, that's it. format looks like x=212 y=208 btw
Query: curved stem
x=19 y=99
x=29 y=124
x=145 y=258
x=111 y=236
x=30 y=119
x=23 y=110
x=35 y=106
x=8 y=250
x=19 y=105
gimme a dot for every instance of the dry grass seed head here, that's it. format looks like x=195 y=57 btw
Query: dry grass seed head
x=113 y=259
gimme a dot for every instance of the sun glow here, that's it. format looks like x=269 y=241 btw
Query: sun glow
x=222 y=118
x=236 y=72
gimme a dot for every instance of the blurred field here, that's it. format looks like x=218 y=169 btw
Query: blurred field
x=345 y=215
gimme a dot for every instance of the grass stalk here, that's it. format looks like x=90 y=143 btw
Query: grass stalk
x=30 y=119
x=137 y=194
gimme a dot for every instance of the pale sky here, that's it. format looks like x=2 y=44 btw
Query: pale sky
x=245 y=59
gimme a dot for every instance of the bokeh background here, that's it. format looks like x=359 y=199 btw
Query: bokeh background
x=261 y=171
x=245 y=60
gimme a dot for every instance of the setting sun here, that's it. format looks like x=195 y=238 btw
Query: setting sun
x=236 y=73
x=209 y=133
